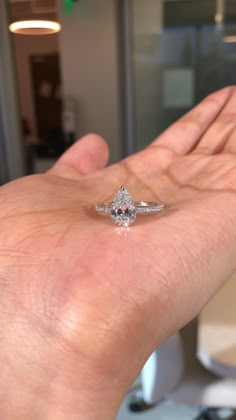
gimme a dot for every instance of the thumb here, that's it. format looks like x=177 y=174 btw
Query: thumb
x=86 y=156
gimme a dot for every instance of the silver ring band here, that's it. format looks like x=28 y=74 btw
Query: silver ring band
x=142 y=207
x=123 y=209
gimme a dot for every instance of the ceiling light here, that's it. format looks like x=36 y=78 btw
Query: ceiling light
x=35 y=27
x=230 y=34
x=230 y=38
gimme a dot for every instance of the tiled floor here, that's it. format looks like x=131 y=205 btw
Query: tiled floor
x=165 y=411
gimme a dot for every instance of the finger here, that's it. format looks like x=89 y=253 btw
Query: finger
x=185 y=134
x=221 y=131
x=86 y=156
x=230 y=143
x=230 y=146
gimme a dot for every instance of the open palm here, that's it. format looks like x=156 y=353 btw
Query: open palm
x=83 y=302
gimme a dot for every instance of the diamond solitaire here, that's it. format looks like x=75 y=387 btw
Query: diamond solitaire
x=124 y=210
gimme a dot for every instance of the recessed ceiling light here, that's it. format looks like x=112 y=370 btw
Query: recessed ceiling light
x=35 y=27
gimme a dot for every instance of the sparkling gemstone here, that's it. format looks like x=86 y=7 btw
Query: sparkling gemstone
x=123 y=211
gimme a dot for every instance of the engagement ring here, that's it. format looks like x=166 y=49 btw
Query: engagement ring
x=124 y=210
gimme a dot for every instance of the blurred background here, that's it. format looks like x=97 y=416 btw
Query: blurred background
x=125 y=69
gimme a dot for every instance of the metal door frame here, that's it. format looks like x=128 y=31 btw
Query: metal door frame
x=127 y=82
x=11 y=139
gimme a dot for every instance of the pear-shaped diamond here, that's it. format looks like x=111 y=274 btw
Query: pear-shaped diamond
x=123 y=211
x=123 y=197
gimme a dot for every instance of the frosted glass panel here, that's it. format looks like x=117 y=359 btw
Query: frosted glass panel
x=178 y=85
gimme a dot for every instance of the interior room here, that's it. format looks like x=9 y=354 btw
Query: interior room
x=126 y=70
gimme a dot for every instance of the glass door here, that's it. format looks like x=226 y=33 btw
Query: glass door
x=181 y=50
x=12 y=157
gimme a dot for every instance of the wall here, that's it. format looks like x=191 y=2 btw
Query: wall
x=89 y=60
x=24 y=47
x=148 y=20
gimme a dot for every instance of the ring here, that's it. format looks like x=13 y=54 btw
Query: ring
x=124 y=210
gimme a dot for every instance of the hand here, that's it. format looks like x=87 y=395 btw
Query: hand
x=83 y=303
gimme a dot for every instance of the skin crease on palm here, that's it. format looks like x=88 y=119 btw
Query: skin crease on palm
x=84 y=303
